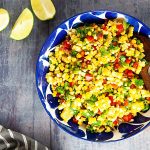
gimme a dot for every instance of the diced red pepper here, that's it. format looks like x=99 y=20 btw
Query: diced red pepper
x=88 y=62
x=116 y=66
x=116 y=122
x=94 y=47
x=128 y=61
x=82 y=53
x=104 y=27
x=90 y=38
x=130 y=116
x=100 y=36
x=112 y=103
x=83 y=65
x=82 y=58
x=130 y=74
x=116 y=61
x=118 y=103
x=71 y=84
x=121 y=53
x=88 y=77
x=135 y=65
x=79 y=96
x=114 y=86
x=120 y=28
x=115 y=43
x=127 y=118
x=99 y=112
x=75 y=120
x=62 y=101
x=106 y=22
x=106 y=94
x=66 y=45
x=88 y=89
x=58 y=94
x=126 y=71
x=126 y=103
x=148 y=98
x=111 y=98
x=104 y=81
x=132 y=86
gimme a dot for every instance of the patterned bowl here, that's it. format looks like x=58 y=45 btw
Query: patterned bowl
x=50 y=103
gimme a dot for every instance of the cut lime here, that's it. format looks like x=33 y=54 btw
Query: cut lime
x=43 y=9
x=4 y=19
x=23 y=25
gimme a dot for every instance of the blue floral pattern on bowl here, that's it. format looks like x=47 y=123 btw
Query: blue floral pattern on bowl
x=50 y=103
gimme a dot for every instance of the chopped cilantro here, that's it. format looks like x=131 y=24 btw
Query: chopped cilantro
x=75 y=111
x=106 y=65
x=122 y=58
x=87 y=113
x=100 y=71
x=139 y=82
x=74 y=53
x=138 y=42
x=104 y=51
x=146 y=107
x=60 y=90
x=93 y=98
x=125 y=25
x=66 y=85
x=109 y=123
x=97 y=123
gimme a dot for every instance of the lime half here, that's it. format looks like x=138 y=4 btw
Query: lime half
x=4 y=19
x=43 y=9
x=23 y=25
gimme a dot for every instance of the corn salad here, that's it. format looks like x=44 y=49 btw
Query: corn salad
x=95 y=74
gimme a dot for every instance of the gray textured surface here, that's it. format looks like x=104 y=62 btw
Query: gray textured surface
x=20 y=108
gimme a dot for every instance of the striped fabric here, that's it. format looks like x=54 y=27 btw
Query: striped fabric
x=11 y=140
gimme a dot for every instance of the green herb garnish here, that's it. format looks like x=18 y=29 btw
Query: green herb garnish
x=139 y=82
x=60 y=90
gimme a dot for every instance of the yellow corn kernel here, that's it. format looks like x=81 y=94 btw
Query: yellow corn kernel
x=108 y=129
x=133 y=41
x=88 y=57
x=136 y=107
x=54 y=93
x=65 y=76
x=89 y=33
x=79 y=43
x=70 y=89
x=62 y=83
x=70 y=80
x=78 y=55
x=51 y=54
x=140 y=47
x=137 y=53
x=74 y=59
x=79 y=82
x=130 y=33
x=66 y=114
x=52 y=67
x=92 y=120
x=76 y=48
x=62 y=68
x=135 y=45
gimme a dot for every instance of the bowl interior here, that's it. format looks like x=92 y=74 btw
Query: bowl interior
x=50 y=103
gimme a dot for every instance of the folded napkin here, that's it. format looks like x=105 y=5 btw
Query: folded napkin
x=11 y=140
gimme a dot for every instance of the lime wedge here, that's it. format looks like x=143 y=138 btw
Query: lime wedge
x=4 y=19
x=43 y=9
x=23 y=25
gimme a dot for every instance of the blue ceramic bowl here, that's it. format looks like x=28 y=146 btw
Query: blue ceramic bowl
x=50 y=103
